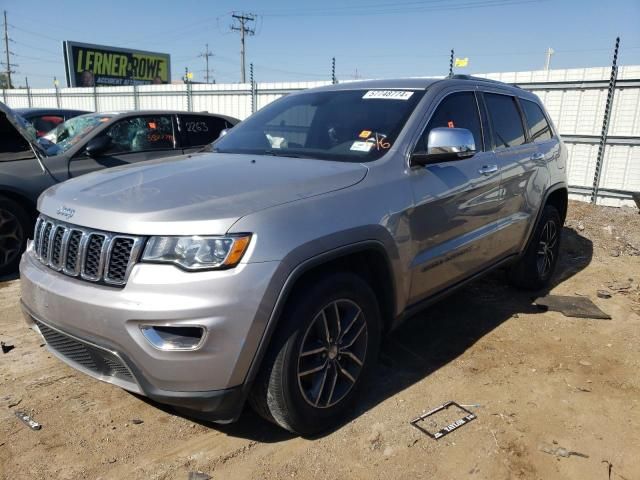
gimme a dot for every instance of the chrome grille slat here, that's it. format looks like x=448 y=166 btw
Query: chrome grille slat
x=91 y=255
x=71 y=255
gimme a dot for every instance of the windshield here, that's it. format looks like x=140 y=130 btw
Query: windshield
x=69 y=133
x=345 y=125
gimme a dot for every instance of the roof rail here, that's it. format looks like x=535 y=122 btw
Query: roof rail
x=458 y=76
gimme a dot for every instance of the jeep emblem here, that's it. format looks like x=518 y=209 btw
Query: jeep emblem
x=66 y=212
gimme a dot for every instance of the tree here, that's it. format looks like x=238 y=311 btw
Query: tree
x=3 y=81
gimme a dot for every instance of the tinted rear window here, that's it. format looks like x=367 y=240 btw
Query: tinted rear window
x=200 y=130
x=538 y=126
x=505 y=119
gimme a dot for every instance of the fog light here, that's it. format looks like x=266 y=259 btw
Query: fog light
x=174 y=338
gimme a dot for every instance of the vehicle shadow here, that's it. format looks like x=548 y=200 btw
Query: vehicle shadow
x=436 y=336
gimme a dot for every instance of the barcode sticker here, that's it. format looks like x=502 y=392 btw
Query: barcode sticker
x=388 y=94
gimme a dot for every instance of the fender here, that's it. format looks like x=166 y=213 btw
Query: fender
x=296 y=273
x=553 y=188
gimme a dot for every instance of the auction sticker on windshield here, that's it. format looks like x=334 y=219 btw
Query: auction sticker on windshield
x=388 y=94
x=361 y=146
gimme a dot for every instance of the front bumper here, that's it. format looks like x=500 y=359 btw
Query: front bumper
x=98 y=329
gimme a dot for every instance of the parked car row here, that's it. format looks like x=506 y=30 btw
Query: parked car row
x=268 y=269
x=31 y=160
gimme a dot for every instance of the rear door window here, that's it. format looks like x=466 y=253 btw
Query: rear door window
x=141 y=134
x=505 y=120
x=199 y=130
x=539 y=128
x=458 y=110
x=46 y=123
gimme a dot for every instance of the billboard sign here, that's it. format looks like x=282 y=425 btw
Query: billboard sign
x=89 y=65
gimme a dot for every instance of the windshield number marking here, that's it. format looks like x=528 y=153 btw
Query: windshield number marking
x=196 y=127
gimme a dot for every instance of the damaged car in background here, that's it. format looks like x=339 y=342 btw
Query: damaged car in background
x=30 y=163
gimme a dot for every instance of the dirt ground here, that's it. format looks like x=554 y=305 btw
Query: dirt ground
x=536 y=381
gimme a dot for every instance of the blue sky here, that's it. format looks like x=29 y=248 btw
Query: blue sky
x=295 y=40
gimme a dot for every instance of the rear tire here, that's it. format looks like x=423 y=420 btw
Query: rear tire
x=15 y=226
x=535 y=269
x=326 y=345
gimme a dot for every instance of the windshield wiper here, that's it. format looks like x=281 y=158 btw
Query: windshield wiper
x=280 y=153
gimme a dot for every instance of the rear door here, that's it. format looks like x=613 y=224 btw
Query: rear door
x=456 y=204
x=133 y=139
x=523 y=169
x=199 y=130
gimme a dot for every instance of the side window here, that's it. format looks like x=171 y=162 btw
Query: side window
x=141 y=134
x=200 y=130
x=538 y=126
x=46 y=123
x=458 y=110
x=505 y=119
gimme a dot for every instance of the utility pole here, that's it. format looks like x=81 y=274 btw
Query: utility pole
x=7 y=63
x=206 y=56
x=241 y=27
x=547 y=62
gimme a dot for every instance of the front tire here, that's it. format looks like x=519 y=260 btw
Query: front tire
x=535 y=269
x=14 y=228
x=327 y=343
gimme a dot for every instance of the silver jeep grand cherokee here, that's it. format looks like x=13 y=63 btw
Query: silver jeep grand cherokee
x=269 y=268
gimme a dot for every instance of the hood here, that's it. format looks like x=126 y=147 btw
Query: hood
x=201 y=194
x=16 y=130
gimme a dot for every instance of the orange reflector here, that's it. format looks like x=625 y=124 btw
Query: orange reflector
x=239 y=246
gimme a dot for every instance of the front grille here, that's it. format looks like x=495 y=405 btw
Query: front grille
x=92 y=358
x=91 y=255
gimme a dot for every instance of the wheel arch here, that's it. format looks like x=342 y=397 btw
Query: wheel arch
x=556 y=195
x=19 y=198
x=368 y=258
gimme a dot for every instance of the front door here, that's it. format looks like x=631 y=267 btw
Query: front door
x=456 y=205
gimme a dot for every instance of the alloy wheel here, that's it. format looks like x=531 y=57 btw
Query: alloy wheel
x=546 y=248
x=332 y=353
x=11 y=237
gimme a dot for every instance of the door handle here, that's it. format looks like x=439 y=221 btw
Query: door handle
x=488 y=169
x=537 y=157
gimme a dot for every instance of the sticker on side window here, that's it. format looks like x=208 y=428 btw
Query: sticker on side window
x=361 y=146
x=388 y=95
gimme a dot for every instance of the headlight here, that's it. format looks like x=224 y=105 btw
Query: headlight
x=197 y=253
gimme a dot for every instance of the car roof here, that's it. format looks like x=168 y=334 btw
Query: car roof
x=129 y=113
x=40 y=111
x=423 y=83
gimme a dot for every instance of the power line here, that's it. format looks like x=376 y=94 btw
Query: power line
x=395 y=8
x=241 y=27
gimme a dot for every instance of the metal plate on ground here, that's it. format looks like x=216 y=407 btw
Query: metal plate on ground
x=421 y=422
x=579 y=307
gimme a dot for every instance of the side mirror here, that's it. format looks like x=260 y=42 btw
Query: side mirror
x=446 y=144
x=223 y=132
x=98 y=145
